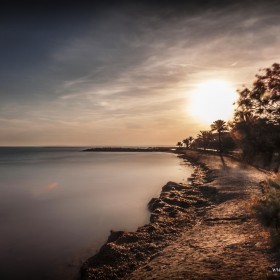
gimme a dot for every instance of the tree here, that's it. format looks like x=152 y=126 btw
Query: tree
x=219 y=126
x=191 y=139
x=204 y=137
x=186 y=142
x=179 y=144
x=262 y=100
x=256 y=123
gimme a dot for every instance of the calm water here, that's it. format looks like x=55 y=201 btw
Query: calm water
x=57 y=205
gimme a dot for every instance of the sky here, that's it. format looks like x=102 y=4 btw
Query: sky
x=124 y=72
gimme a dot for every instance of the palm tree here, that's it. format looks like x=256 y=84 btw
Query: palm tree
x=245 y=117
x=250 y=134
x=179 y=144
x=204 y=137
x=219 y=126
x=186 y=142
x=191 y=139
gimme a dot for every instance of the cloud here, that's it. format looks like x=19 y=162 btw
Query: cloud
x=128 y=67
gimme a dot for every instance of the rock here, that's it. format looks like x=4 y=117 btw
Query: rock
x=155 y=203
x=172 y=186
x=114 y=235
x=128 y=237
x=178 y=202
x=208 y=191
x=173 y=211
x=151 y=204
x=154 y=218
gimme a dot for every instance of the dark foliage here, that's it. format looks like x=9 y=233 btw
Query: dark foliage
x=256 y=124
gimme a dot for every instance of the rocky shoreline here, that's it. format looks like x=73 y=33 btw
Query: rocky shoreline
x=178 y=207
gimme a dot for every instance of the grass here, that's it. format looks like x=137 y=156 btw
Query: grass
x=267 y=208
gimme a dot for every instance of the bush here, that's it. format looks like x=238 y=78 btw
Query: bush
x=267 y=209
x=275 y=182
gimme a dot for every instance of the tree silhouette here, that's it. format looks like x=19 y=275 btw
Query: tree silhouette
x=191 y=139
x=262 y=100
x=186 y=142
x=204 y=137
x=219 y=126
x=179 y=144
x=256 y=123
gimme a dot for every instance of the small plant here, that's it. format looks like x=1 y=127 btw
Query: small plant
x=267 y=209
x=275 y=182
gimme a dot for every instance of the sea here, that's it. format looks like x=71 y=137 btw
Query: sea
x=58 y=204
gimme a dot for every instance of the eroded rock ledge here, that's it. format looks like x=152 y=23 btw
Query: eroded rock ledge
x=178 y=207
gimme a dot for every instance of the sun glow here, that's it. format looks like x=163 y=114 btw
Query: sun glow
x=212 y=100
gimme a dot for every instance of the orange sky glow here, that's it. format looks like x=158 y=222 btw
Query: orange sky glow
x=128 y=74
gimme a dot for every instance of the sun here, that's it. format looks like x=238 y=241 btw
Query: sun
x=212 y=100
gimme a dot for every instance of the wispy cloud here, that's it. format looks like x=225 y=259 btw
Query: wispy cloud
x=131 y=68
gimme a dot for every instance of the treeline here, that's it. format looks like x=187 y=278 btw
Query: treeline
x=255 y=126
x=217 y=138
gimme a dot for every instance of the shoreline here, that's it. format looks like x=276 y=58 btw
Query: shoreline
x=201 y=230
x=130 y=149
x=178 y=207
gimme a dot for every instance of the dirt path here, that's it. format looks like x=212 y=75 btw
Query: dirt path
x=226 y=243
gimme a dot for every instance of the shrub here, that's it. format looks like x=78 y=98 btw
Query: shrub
x=267 y=209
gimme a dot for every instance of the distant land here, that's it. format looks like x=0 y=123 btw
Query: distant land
x=126 y=149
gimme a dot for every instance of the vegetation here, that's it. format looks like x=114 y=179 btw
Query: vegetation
x=186 y=142
x=255 y=127
x=255 y=131
x=256 y=122
x=262 y=101
x=204 y=139
x=191 y=139
x=219 y=126
x=267 y=209
x=179 y=144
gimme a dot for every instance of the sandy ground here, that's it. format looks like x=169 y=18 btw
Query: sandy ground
x=227 y=242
